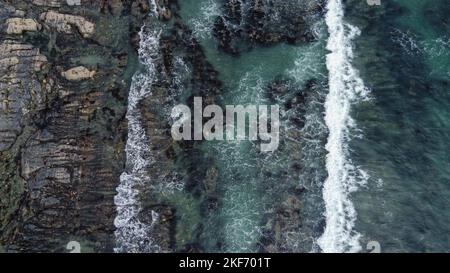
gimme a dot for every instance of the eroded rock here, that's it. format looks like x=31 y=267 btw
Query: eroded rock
x=19 y=89
x=78 y=73
x=19 y=25
x=65 y=23
x=48 y=3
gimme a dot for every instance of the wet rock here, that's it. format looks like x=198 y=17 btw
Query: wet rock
x=265 y=23
x=286 y=227
x=143 y=5
x=224 y=36
x=234 y=11
x=281 y=227
x=73 y=2
x=163 y=9
x=210 y=181
x=291 y=205
x=177 y=177
x=287 y=25
x=162 y=221
x=114 y=7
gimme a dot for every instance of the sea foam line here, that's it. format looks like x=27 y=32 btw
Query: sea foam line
x=131 y=234
x=345 y=88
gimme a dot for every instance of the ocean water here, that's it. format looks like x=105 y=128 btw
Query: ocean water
x=368 y=147
x=403 y=56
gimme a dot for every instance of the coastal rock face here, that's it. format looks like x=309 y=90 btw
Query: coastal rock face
x=63 y=99
x=18 y=64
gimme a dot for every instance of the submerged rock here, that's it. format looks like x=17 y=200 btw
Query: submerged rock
x=178 y=183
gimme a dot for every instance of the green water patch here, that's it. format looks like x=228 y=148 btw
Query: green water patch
x=90 y=60
x=188 y=218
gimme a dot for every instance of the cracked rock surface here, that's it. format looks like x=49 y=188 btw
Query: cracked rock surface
x=65 y=70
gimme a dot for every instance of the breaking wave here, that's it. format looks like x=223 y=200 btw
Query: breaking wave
x=345 y=88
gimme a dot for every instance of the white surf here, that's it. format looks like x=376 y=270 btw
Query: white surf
x=133 y=235
x=345 y=89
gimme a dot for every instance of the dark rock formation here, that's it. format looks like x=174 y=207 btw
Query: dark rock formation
x=250 y=23
x=224 y=36
x=284 y=224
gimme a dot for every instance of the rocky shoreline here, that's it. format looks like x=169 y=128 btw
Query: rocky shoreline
x=66 y=71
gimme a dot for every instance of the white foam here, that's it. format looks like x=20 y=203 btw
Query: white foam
x=154 y=6
x=407 y=40
x=345 y=88
x=410 y=42
x=131 y=234
x=203 y=25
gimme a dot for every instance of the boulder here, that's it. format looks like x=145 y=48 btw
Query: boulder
x=64 y=23
x=48 y=3
x=19 y=25
x=78 y=73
